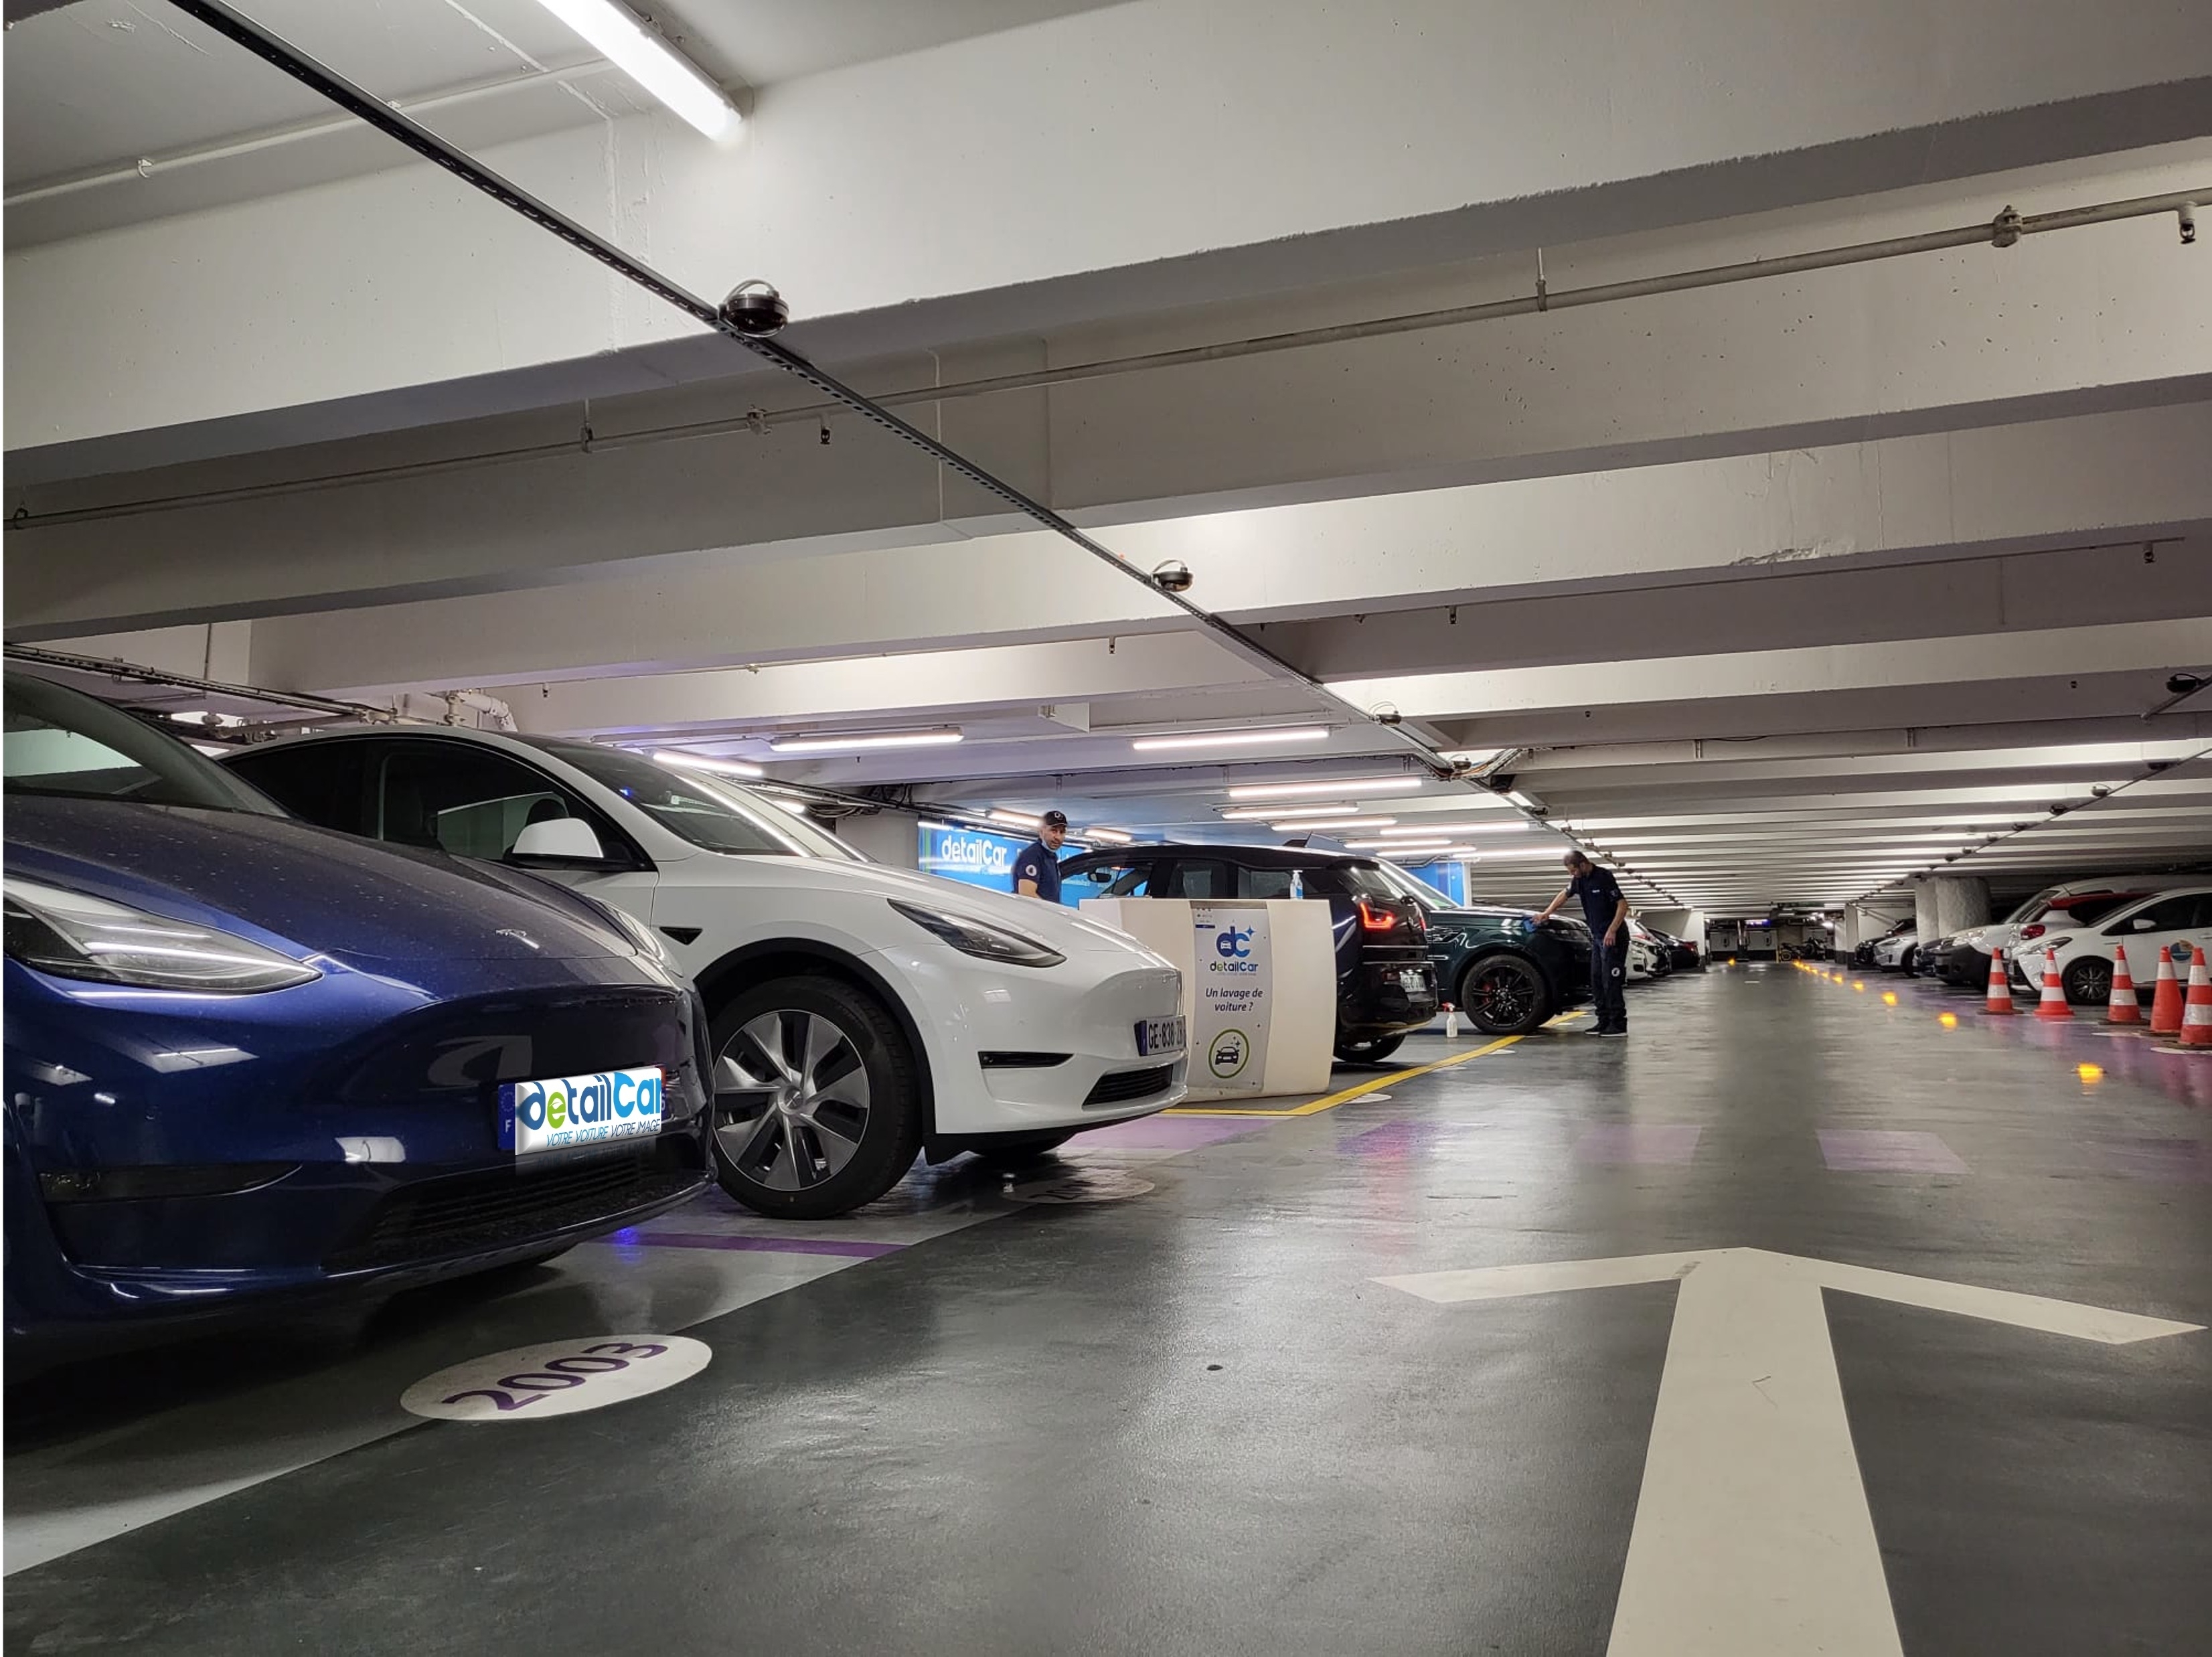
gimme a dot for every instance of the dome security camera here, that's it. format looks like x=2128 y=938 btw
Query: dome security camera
x=1173 y=576
x=754 y=309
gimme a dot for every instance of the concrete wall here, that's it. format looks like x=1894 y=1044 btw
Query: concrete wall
x=888 y=836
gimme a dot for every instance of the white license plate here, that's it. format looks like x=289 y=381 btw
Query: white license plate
x=569 y=1111
x=1161 y=1035
x=1414 y=983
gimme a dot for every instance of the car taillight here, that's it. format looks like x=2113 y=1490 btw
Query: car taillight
x=2034 y=929
x=1376 y=919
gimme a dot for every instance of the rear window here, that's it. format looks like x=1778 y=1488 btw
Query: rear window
x=2087 y=911
x=1348 y=880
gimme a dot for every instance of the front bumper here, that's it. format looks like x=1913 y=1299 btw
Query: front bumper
x=1016 y=1050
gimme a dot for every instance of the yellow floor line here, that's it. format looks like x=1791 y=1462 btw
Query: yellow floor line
x=1330 y=1102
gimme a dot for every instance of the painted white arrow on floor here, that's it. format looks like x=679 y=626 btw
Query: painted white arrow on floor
x=1751 y=1534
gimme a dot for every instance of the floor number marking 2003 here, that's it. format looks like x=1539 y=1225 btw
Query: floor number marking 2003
x=565 y=1377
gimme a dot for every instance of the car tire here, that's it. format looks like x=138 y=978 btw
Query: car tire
x=1369 y=1053
x=834 y=1055
x=1023 y=1155
x=1504 y=995
x=2087 y=982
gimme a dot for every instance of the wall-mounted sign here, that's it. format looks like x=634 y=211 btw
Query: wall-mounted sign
x=971 y=856
x=1234 y=957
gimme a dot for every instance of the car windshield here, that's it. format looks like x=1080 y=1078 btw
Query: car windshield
x=708 y=811
x=65 y=744
x=1406 y=884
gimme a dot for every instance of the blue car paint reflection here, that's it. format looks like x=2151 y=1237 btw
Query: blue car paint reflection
x=169 y=1151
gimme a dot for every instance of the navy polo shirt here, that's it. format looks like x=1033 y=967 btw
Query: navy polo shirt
x=1600 y=895
x=1035 y=861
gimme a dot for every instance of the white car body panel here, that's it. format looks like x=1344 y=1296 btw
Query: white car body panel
x=958 y=1006
x=1890 y=952
x=2065 y=944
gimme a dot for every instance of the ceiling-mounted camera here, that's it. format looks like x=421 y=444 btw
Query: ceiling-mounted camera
x=2186 y=684
x=756 y=309
x=1173 y=576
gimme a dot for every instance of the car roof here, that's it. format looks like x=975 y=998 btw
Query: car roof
x=1252 y=857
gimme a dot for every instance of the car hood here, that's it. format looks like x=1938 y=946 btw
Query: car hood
x=312 y=890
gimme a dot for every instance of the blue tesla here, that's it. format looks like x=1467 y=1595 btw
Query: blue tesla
x=250 y=1062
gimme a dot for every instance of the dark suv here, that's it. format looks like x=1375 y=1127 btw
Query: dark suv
x=1385 y=985
x=1504 y=969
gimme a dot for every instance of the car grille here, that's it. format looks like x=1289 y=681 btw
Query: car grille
x=1125 y=1085
x=482 y=1212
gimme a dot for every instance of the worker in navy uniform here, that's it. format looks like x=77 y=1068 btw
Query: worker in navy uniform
x=1037 y=866
x=1607 y=911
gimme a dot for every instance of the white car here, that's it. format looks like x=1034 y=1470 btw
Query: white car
x=859 y=1014
x=1643 y=960
x=1895 y=951
x=2178 y=914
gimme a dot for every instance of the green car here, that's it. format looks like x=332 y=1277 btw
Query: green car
x=1500 y=966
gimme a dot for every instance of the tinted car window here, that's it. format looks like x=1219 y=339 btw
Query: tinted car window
x=323 y=782
x=2171 y=915
x=1201 y=881
x=2089 y=911
x=460 y=798
x=62 y=742
x=1267 y=883
x=708 y=810
x=1110 y=880
x=1348 y=880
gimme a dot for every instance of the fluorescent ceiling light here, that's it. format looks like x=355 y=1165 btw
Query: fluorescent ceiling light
x=1261 y=814
x=1399 y=845
x=1524 y=801
x=1018 y=819
x=1412 y=828
x=854 y=744
x=700 y=762
x=1326 y=822
x=1230 y=738
x=1307 y=790
x=615 y=33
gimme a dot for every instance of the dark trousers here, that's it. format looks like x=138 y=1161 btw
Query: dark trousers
x=1608 y=980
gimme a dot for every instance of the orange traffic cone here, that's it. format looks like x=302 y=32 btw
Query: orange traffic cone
x=2000 y=999
x=2196 y=1016
x=2165 y=997
x=2053 y=1005
x=2122 y=1008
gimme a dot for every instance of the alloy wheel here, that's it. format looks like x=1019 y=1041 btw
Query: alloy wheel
x=791 y=1099
x=1502 y=994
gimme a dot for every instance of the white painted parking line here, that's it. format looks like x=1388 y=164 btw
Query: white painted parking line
x=1752 y=1534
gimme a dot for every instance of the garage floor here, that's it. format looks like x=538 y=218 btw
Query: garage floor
x=1187 y=1417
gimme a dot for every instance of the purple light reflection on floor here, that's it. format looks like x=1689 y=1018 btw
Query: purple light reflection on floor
x=1869 y=1151
x=1164 y=1133
x=858 y=1251
x=1639 y=1143
x=2167 y=1161
x=1392 y=1140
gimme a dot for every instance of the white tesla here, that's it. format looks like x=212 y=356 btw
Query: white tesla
x=859 y=1014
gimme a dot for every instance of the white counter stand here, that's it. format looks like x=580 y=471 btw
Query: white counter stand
x=1302 y=1027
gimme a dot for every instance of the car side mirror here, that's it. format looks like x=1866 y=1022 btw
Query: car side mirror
x=558 y=843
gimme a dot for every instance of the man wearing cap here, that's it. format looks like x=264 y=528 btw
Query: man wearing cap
x=1606 y=912
x=1036 y=867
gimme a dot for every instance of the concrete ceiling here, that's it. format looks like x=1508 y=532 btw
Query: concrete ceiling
x=1776 y=592
x=121 y=111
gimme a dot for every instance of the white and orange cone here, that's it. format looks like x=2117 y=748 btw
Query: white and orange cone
x=2122 y=1008
x=2000 y=999
x=2166 y=998
x=2197 y=1016
x=2053 y=1005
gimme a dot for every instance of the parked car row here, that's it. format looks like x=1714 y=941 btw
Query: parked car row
x=253 y=1056
x=2078 y=925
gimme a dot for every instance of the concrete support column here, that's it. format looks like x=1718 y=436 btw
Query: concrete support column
x=889 y=837
x=1961 y=900
x=1923 y=907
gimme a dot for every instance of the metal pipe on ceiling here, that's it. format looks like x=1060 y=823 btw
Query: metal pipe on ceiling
x=2002 y=231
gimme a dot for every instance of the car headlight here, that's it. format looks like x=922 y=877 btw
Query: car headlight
x=71 y=935
x=980 y=938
